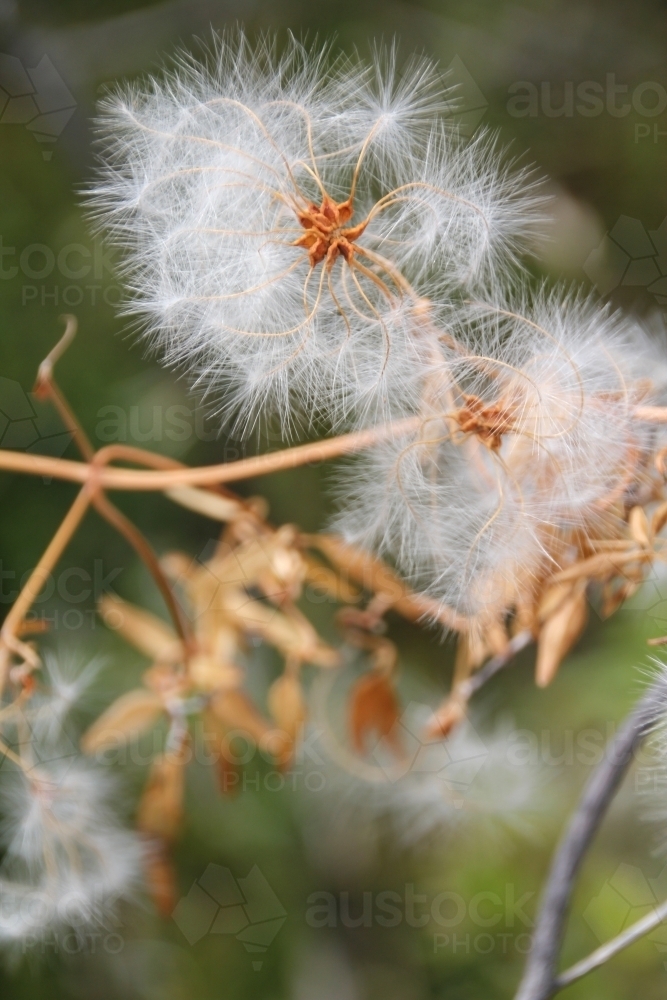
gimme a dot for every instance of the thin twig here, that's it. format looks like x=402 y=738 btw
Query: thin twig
x=651 y=414
x=472 y=684
x=611 y=948
x=12 y=623
x=227 y=472
x=539 y=981
x=46 y=387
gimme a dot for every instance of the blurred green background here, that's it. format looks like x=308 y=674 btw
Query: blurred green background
x=527 y=70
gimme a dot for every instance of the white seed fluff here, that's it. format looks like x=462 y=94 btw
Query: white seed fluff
x=282 y=216
x=470 y=519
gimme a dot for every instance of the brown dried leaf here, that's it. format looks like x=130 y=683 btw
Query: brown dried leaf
x=160 y=811
x=558 y=635
x=236 y=712
x=289 y=631
x=552 y=598
x=639 y=527
x=448 y=715
x=288 y=707
x=226 y=768
x=327 y=581
x=141 y=629
x=209 y=673
x=601 y=565
x=213 y=505
x=287 y=704
x=374 y=575
x=250 y=562
x=496 y=637
x=374 y=708
x=463 y=665
x=129 y=716
x=478 y=648
x=614 y=598
x=160 y=876
x=659 y=519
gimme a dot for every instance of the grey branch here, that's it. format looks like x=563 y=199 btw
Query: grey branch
x=606 y=951
x=496 y=663
x=540 y=981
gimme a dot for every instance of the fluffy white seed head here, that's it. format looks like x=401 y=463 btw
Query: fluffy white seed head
x=283 y=215
x=66 y=859
x=527 y=434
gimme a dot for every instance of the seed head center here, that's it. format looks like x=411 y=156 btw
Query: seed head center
x=326 y=234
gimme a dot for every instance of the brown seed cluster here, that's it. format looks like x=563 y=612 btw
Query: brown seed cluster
x=326 y=235
x=487 y=422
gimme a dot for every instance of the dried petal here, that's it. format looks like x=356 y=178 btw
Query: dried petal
x=160 y=876
x=659 y=518
x=448 y=715
x=558 y=635
x=160 y=809
x=291 y=633
x=288 y=707
x=236 y=712
x=208 y=673
x=639 y=527
x=600 y=565
x=325 y=580
x=213 y=505
x=129 y=716
x=226 y=767
x=374 y=708
x=287 y=704
x=374 y=575
x=140 y=628
x=552 y=598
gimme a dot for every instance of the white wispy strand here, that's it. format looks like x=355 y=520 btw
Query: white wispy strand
x=485 y=792
x=67 y=859
x=473 y=783
x=465 y=522
x=206 y=174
